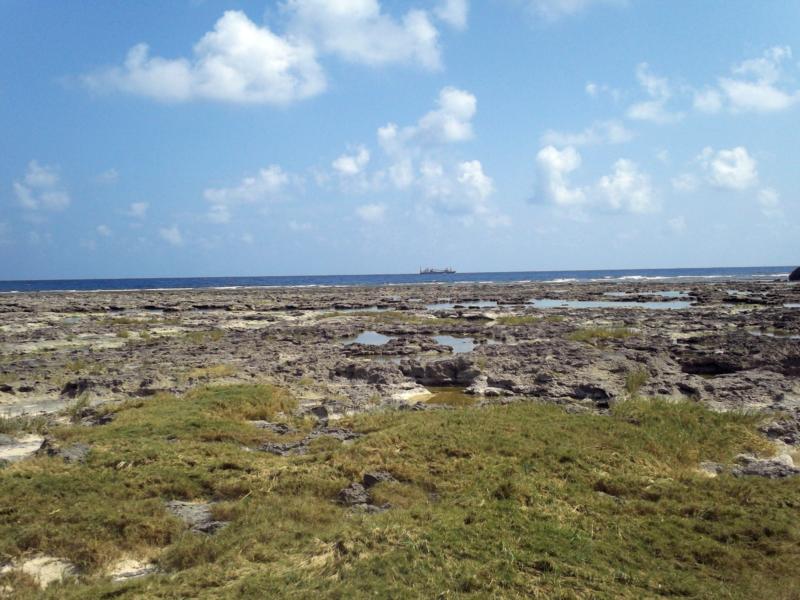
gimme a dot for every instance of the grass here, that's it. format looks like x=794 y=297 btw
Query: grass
x=23 y=424
x=515 y=501
x=211 y=372
x=594 y=335
x=635 y=380
x=205 y=336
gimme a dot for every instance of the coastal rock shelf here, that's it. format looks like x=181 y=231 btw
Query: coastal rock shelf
x=576 y=346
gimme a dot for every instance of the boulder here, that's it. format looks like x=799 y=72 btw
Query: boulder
x=795 y=275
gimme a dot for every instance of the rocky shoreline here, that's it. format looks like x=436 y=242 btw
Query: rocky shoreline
x=732 y=345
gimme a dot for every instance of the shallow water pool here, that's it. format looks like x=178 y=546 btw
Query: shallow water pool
x=368 y=338
x=552 y=303
x=457 y=345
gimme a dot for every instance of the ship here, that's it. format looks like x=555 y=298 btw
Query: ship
x=432 y=271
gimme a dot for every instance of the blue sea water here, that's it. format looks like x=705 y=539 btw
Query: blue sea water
x=733 y=273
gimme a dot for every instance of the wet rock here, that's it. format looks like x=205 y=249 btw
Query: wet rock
x=6 y=389
x=771 y=468
x=74 y=453
x=197 y=515
x=795 y=275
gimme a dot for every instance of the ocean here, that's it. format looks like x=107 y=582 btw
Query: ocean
x=88 y=285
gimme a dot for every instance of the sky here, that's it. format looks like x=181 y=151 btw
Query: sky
x=215 y=137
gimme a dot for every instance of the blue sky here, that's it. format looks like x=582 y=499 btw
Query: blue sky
x=372 y=136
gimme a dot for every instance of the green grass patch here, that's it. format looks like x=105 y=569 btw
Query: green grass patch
x=635 y=380
x=515 y=501
x=210 y=372
x=205 y=336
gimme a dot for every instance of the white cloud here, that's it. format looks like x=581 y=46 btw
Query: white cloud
x=359 y=31
x=104 y=230
x=732 y=169
x=453 y=12
x=266 y=186
x=770 y=202
x=600 y=132
x=371 y=213
x=554 y=166
x=552 y=10
x=659 y=91
x=219 y=214
x=685 y=182
x=41 y=188
x=236 y=62
x=462 y=190
x=628 y=189
x=171 y=235
x=625 y=189
x=754 y=85
x=708 y=101
x=450 y=122
x=247 y=238
x=352 y=164
x=677 y=225
x=300 y=226
x=107 y=177
x=138 y=210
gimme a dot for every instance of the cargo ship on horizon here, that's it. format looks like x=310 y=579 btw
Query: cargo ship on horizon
x=433 y=271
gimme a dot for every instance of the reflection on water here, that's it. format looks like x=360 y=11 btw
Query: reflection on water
x=450 y=396
x=465 y=303
x=368 y=338
x=791 y=305
x=551 y=303
x=456 y=344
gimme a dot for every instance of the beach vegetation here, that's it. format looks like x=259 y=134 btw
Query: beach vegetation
x=514 y=501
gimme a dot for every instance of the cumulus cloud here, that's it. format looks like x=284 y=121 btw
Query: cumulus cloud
x=770 y=202
x=462 y=190
x=600 y=132
x=453 y=12
x=237 y=61
x=266 y=186
x=732 y=169
x=677 y=225
x=104 y=230
x=41 y=188
x=108 y=177
x=554 y=167
x=171 y=235
x=138 y=210
x=360 y=31
x=659 y=91
x=449 y=122
x=352 y=164
x=627 y=189
x=553 y=10
x=754 y=84
x=685 y=182
x=371 y=213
